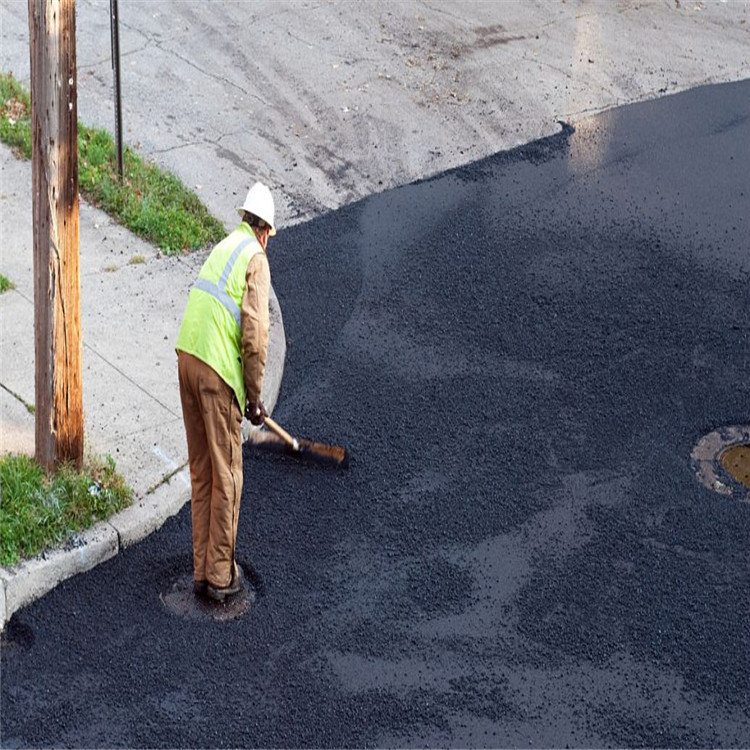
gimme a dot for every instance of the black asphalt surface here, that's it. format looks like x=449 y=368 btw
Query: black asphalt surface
x=520 y=356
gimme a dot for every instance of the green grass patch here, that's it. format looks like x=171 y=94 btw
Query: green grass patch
x=38 y=511
x=5 y=284
x=150 y=202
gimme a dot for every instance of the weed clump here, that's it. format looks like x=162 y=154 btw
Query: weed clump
x=38 y=511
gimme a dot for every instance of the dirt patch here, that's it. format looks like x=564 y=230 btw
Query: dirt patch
x=14 y=110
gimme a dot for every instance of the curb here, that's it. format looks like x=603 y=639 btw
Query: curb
x=32 y=579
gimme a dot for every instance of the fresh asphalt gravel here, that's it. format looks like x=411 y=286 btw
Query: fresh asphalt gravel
x=520 y=356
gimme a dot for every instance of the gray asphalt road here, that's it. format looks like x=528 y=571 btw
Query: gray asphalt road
x=520 y=355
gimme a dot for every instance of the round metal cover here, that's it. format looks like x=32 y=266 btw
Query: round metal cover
x=736 y=461
x=721 y=461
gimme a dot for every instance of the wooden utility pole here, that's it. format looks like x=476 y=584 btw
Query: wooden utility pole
x=57 y=303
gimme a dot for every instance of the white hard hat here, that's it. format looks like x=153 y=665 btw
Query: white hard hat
x=259 y=202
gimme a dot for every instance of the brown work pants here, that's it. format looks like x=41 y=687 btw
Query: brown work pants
x=213 y=427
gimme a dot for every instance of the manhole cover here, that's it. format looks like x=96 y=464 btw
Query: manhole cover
x=736 y=460
x=180 y=600
x=721 y=461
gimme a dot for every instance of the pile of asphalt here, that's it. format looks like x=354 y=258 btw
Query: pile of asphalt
x=519 y=355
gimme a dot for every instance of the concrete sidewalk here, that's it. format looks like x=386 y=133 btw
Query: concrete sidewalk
x=332 y=102
x=132 y=300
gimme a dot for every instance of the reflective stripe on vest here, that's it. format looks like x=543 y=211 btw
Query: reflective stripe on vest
x=219 y=291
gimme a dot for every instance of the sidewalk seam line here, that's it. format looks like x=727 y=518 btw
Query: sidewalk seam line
x=129 y=379
x=29 y=407
x=165 y=479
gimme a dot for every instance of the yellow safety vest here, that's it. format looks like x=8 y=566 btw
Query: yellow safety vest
x=211 y=325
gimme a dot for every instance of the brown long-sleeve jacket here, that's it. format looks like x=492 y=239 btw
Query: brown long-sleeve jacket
x=255 y=325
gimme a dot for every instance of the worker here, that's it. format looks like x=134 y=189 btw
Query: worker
x=221 y=356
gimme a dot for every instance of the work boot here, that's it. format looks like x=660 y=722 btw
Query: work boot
x=200 y=587
x=235 y=586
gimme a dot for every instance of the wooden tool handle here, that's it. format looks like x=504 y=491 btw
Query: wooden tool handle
x=282 y=433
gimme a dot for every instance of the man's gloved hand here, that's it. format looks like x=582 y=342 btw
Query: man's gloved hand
x=256 y=413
